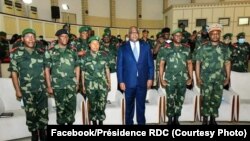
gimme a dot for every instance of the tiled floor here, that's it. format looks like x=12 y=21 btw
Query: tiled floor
x=182 y=123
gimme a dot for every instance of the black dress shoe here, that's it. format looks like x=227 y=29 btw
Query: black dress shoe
x=212 y=121
x=205 y=120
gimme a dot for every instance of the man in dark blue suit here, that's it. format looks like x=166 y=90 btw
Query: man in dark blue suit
x=135 y=73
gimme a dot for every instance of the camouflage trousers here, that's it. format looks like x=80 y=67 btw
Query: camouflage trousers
x=211 y=96
x=65 y=105
x=175 y=92
x=36 y=109
x=97 y=101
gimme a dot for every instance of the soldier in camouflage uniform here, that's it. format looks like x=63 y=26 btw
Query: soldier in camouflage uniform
x=178 y=73
x=163 y=38
x=185 y=35
x=111 y=50
x=82 y=46
x=212 y=72
x=96 y=80
x=227 y=38
x=27 y=71
x=62 y=76
x=82 y=42
x=240 y=54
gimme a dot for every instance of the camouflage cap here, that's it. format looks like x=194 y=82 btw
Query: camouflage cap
x=28 y=30
x=2 y=33
x=158 y=35
x=241 y=35
x=93 y=38
x=89 y=27
x=227 y=35
x=83 y=28
x=178 y=30
x=106 y=34
x=107 y=30
x=214 y=27
x=61 y=31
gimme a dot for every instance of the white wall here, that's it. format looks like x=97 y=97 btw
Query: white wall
x=126 y=9
x=43 y=9
x=152 y=9
x=75 y=6
x=208 y=1
x=99 y=8
x=172 y=2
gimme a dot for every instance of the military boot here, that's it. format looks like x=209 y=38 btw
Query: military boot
x=100 y=122
x=212 y=121
x=205 y=120
x=176 y=120
x=170 y=121
x=94 y=122
x=43 y=135
x=34 y=136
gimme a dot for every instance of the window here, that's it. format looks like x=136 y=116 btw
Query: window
x=244 y=21
x=224 y=21
x=201 y=22
x=185 y=22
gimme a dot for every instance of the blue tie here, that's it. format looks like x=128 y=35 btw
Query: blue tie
x=135 y=51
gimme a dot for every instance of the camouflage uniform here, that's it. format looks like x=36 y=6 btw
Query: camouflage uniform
x=62 y=64
x=240 y=54
x=213 y=74
x=176 y=75
x=112 y=54
x=30 y=68
x=186 y=35
x=96 y=83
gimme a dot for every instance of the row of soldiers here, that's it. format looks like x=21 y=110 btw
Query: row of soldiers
x=63 y=62
x=63 y=59
x=213 y=61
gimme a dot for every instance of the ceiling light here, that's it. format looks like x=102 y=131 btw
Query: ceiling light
x=65 y=7
x=27 y=1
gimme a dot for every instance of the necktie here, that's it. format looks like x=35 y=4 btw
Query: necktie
x=135 y=51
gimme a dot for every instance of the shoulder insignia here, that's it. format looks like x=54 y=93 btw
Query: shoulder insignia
x=235 y=45
x=104 y=53
x=13 y=49
x=51 y=47
x=73 y=47
x=186 y=45
x=203 y=43
x=41 y=50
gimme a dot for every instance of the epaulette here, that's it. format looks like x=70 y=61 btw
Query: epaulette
x=18 y=40
x=235 y=45
x=41 y=50
x=13 y=49
x=104 y=53
x=167 y=45
x=52 y=44
x=73 y=48
x=51 y=47
x=186 y=45
x=204 y=43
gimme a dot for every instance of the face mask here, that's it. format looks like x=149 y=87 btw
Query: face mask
x=126 y=38
x=241 y=40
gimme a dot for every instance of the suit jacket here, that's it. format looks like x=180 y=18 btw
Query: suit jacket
x=127 y=66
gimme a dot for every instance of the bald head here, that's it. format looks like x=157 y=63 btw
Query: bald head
x=133 y=34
